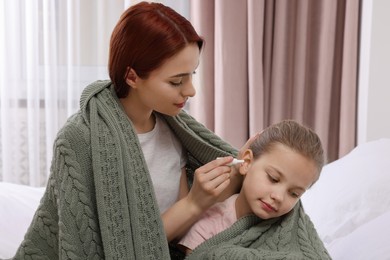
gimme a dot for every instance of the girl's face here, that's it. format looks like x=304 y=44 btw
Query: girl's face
x=274 y=182
x=167 y=88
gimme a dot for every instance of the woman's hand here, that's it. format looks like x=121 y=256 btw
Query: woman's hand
x=210 y=180
x=214 y=181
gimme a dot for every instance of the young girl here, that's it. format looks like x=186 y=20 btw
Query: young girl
x=113 y=191
x=279 y=166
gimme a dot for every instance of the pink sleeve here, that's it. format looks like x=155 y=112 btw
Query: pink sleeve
x=217 y=218
x=197 y=234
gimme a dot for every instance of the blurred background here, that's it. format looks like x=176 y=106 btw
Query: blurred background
x=323 y=63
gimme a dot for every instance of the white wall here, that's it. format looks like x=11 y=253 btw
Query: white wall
x=374 y=72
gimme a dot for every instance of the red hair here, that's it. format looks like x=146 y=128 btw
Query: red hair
x=146 y=35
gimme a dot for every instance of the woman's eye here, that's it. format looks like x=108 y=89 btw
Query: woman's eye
x=176 y=84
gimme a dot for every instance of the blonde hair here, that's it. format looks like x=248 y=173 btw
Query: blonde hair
x=293 y=135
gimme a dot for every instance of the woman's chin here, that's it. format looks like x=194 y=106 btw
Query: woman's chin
x=170 y=113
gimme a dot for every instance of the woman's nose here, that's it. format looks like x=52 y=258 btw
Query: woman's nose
x=188 y=89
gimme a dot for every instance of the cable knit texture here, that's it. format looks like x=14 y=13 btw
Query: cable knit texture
x=292 y=236
x=99 y=202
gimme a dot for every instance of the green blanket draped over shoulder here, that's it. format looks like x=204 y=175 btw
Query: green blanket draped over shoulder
x=99 y=202
x=292 y=236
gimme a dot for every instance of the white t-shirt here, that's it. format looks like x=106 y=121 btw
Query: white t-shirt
x=165 y=158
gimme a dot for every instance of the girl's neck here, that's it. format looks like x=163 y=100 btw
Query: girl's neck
x=242 y=207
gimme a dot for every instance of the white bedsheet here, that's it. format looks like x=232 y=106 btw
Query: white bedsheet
x=17 y=206
x=350 y=204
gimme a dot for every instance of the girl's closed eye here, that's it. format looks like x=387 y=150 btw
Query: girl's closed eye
x=295 y=194
x=272 y=178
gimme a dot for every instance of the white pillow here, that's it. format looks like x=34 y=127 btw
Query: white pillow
x=351 y=191
x=17 y=207
x=370 y=241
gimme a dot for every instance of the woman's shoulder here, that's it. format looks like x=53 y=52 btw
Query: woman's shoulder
x=72 y=151
x=75 y=130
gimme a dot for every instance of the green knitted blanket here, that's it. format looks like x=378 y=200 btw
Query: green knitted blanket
x=290 y=237
x=99 y=202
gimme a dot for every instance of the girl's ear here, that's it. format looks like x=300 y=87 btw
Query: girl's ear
x=131 y=78
x=248 y=160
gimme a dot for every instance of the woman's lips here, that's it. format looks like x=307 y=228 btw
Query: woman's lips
x=181 y=105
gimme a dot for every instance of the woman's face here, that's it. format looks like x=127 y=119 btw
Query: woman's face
x=167 y=88
x=275 y=181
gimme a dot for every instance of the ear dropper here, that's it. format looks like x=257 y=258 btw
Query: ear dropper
x=234 y=162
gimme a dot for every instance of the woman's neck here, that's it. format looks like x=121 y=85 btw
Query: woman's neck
x=143 y=120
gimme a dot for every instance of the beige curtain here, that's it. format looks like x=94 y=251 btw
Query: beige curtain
x=269 y=60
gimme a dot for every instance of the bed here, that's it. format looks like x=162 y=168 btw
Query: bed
x=350 y=206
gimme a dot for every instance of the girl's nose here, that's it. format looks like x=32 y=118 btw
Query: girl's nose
x=277 y=195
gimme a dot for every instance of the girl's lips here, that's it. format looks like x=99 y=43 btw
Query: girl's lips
x=267 y=207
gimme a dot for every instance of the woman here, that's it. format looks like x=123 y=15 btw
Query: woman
x=118 y=162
